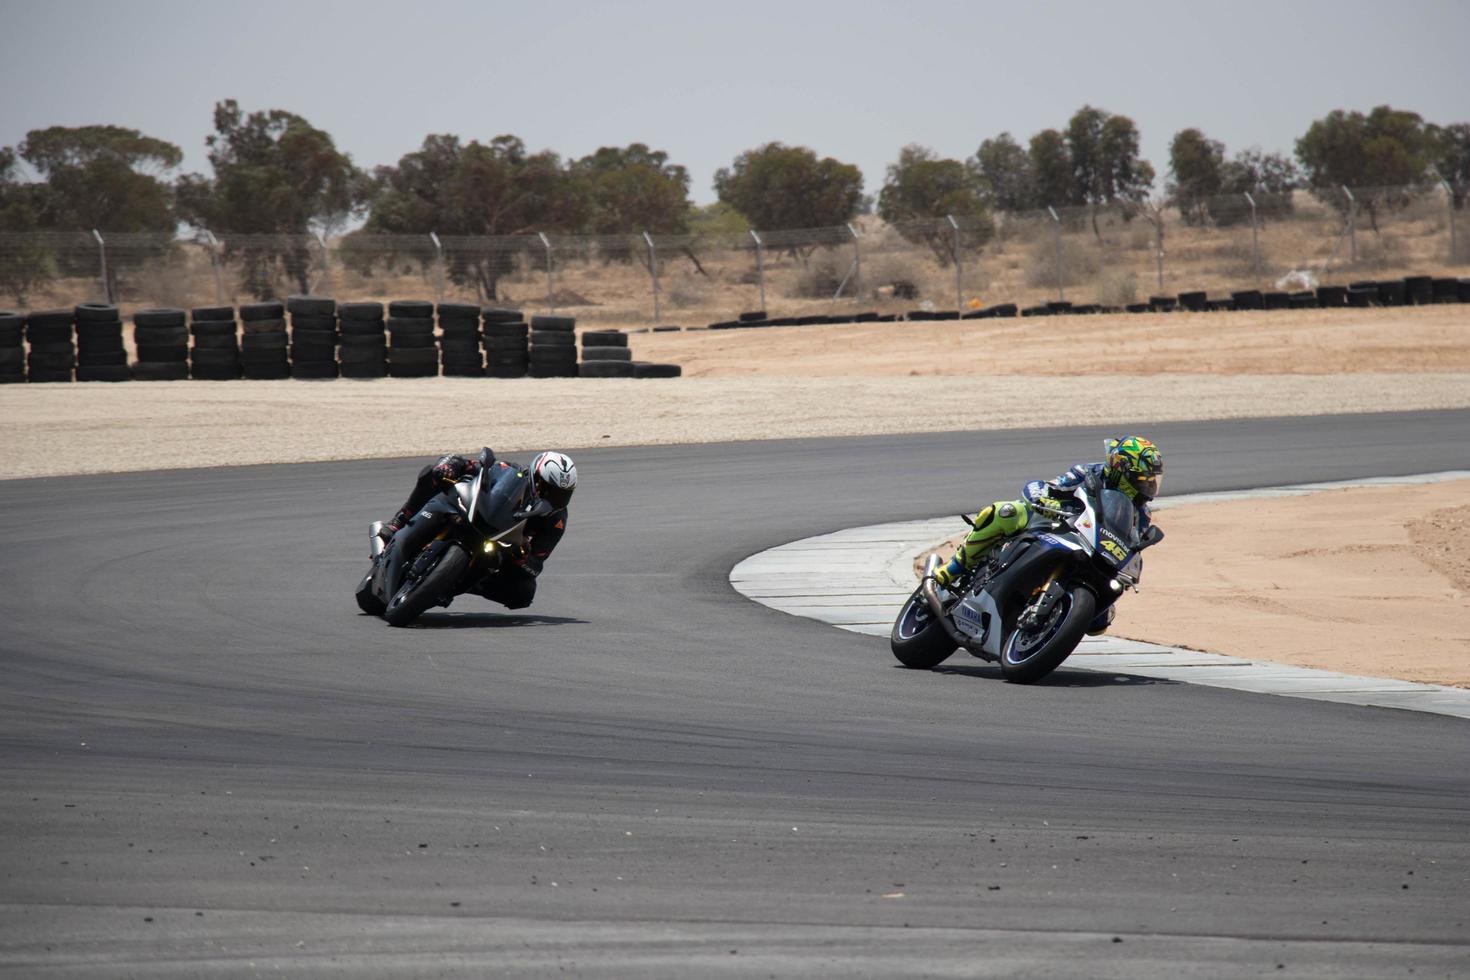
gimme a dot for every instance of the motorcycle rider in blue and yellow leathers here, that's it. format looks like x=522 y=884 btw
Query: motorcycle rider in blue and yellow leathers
x=1134 y=466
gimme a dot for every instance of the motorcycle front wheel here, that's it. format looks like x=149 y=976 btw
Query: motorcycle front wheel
x=366 y=601
x=1029 y=655
x=435 y=584
x=918 y=640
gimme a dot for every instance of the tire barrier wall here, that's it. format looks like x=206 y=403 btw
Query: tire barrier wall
x=321 y=340
x=1408 y=291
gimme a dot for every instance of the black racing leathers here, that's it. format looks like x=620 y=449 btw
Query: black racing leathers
x=515 y=585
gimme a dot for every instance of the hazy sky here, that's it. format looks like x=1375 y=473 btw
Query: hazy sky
x=704 y=81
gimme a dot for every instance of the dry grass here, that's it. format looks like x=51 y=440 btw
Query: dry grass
x=1017 y=266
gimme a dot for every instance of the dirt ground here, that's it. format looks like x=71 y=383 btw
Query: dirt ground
x=1373 y=582
x=1363 y=581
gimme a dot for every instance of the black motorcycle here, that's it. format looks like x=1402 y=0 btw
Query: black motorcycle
x=456 y=540
x=1028 y=604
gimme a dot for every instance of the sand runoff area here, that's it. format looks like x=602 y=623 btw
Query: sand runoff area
x=1371 y=582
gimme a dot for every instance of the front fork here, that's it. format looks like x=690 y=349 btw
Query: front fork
x=1046 y=595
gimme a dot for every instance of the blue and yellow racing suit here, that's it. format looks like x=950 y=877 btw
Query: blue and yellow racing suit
x=1004 y=518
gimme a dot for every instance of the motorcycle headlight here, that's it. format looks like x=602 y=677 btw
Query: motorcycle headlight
x=490 y=547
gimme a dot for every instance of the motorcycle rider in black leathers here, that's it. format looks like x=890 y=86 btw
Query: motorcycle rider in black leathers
x=553 y=478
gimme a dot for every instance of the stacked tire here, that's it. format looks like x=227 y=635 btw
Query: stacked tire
x=506 y=338
x=100 y=353
x=605 y=354
x=553 y=352
x=263 y=354
x=648 y=369
x=162 y=340
x=364 y=351
x=313 y=336
x=459 y=341
x=52 y=340
x=12 y=348
x=215 y=355
x=412 y=352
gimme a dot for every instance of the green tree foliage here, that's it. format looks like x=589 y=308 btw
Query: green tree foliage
x=922 y=189
x=1269 y=178
x=25 y=261
x=275 y=175
x=103 y=177
x=1051 y=169
x=109 y=178
x=1106 y=167
x=1195 y=164
x=1451 y=159
x=718 y=218
x=778 y=186
x=470 y=189
x=633 y=189
x=1385 y=152
x=1004 y=172
x=1385 y=147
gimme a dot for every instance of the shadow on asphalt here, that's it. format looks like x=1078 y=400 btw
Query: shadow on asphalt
x=488 y=620
x=1059 y=678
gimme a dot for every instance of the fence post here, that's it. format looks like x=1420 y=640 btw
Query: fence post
x=857 y=253
x=1450 y=200
x=959 y=289
x=1057 y=222
x=102 y=257
x=324 y=283
x=653 y=273
x=550 y=275
x=1159 y=246
x=214 y=256
x=1255 y=241
x=1352 y=226
x=439 y=265
x=760 y=265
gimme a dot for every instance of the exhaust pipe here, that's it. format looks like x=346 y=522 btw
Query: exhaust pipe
x=931 y=596
x=376 y=544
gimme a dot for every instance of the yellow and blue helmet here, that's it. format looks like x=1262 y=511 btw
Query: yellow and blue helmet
x=1135 y=466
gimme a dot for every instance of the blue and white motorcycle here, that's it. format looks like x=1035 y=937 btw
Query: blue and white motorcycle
x=1029 y=602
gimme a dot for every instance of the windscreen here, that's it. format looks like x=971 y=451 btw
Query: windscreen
x=1120 y=516
x=501 y=495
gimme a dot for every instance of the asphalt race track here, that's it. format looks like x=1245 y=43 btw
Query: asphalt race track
x=212 y=764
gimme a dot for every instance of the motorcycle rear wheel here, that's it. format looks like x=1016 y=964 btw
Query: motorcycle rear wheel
x=1027 y=657
x=918 y=640
x=410 y=601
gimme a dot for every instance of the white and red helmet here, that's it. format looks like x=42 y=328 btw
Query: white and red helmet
x=554 y=477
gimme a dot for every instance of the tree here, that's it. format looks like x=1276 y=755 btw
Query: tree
x=1004 y=172
x=1194 y=169
x=1388 y=150
x=1106 y=167
x=922 y=189
x=277 y=176
x=103 y=177
x=108 y=178
x=633 y=189
x=1451 y=159
x=778 y=187
x=1269 y=178
x=1051 y=169
x=475 y=189
x=25 y=261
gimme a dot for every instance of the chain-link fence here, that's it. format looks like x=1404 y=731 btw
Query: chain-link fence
x=1112 y=256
